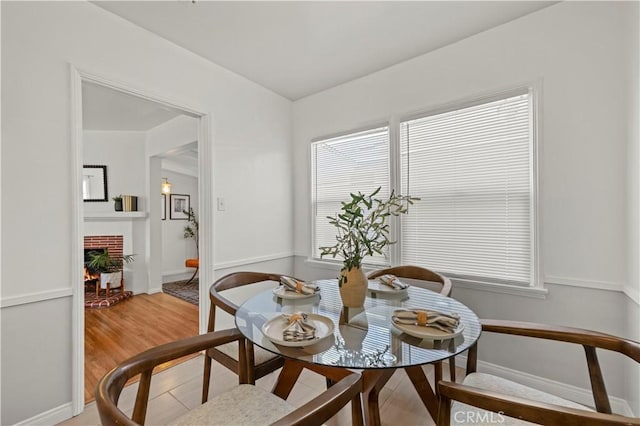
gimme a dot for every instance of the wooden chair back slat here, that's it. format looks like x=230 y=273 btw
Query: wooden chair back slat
x=110 y=386
x=598 y=388
x=142 y=397
x=534 y=411
x=520 y=408
x=417 y=273
x=314 y=412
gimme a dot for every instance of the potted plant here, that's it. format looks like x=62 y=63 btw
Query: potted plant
x=118 y=203
x=362 y=230
x=109 y=267
x=191 y=230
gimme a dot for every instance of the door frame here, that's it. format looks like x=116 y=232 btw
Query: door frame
x=205 y=206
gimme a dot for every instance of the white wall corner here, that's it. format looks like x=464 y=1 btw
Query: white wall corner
x=632 y=293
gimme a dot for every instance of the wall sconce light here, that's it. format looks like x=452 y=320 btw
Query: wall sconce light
x=166 y=186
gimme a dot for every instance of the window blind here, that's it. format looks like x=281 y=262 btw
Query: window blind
x=343 y=165
x=472 y=168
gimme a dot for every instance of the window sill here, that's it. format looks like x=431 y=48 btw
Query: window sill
x=533 y=292
x=336 y=265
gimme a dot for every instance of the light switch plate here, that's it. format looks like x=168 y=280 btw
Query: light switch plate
x=222 y=205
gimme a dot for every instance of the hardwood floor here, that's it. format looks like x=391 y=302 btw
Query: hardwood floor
x=130 y=327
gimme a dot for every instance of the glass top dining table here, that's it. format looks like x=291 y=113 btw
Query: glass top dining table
x=361 y=338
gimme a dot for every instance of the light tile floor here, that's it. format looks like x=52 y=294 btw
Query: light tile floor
x=178 y=389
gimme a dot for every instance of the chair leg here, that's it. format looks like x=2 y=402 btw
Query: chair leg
x=250 y=364
x=206 y=378
x=452 y=368
x=437 y=373
x=192 y=276
x=357 y=418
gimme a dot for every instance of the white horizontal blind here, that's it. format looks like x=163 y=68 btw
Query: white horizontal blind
x=472 y=168
x=341 y=166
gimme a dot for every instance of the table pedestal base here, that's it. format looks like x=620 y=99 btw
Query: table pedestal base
x=373 y=382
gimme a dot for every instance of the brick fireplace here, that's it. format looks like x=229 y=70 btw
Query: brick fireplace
x=113 y=243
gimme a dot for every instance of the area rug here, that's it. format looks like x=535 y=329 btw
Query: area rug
x=93 y=301
x=182 y=290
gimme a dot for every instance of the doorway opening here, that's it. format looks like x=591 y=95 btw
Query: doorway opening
x=140 y=138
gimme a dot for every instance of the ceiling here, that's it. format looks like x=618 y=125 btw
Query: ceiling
x=108 y=109
x=300 y=48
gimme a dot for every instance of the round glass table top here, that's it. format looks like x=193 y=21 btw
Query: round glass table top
x=360 y=338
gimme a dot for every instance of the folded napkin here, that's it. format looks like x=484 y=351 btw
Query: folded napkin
x=393 y=281
x=291 y=284
x=298 y=329
x=427 y=318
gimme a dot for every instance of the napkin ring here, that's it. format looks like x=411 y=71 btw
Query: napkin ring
x=298 y=287
x=421 y=317
x=295 y=317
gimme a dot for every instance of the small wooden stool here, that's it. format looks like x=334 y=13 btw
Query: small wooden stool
x=192 y=263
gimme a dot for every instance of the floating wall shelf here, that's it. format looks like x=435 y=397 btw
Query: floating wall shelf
x=113 y=216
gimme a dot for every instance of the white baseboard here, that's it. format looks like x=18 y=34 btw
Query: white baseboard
x=251 y=260
x=182 y=271
x=50 y=417
x=154 y=290
x=563 y=390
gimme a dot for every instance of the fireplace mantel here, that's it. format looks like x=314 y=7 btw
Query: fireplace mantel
x=113 y=216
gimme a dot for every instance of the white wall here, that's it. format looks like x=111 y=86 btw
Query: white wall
x=578 y=53
x=39 y=40
x=123 y=154
x=633 y=194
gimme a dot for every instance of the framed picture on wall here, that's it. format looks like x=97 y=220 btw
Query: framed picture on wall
x=178 y=205
x=163 y=207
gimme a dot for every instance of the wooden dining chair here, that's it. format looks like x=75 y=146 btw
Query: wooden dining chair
x=243 y=405
x=260 y=361
x=483 y=396
x=424 y=278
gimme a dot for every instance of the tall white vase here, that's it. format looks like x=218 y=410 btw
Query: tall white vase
x=353 y=288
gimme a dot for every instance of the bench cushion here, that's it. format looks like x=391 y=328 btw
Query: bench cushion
x=192 y=263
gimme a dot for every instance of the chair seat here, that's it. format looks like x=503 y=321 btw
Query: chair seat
x=245 y=405
x=463 y=414
x=259 y=354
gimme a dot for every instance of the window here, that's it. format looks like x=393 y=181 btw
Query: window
x=472 y=167
x=342 y=165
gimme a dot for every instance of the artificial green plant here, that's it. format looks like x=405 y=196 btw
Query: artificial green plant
x=363 y=228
